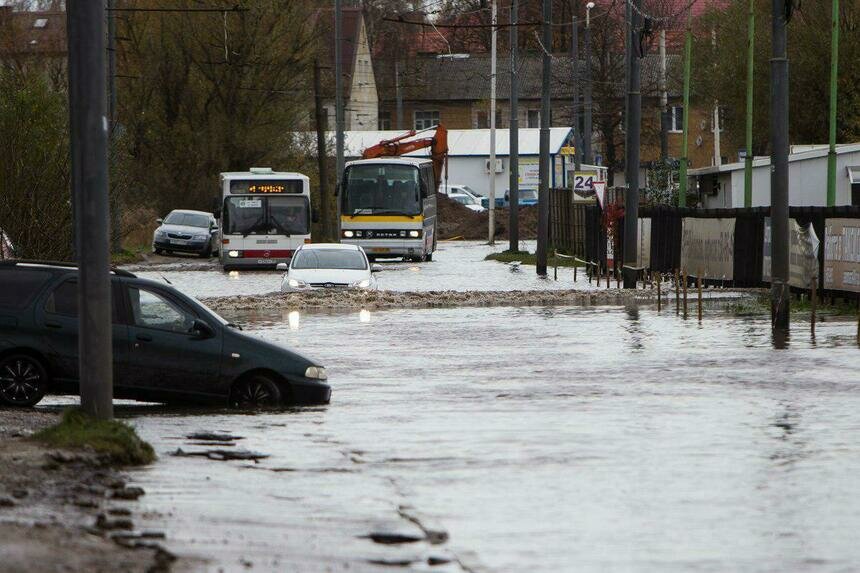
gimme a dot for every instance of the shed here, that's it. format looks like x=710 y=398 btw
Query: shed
x=723 y=186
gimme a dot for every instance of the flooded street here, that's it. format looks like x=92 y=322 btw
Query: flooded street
x=457 y=265
x=540 y=439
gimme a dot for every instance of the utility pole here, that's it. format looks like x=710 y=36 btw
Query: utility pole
x=338 y=86
x=88 y=127
x=631 y=195
x=544 y=167
x=718 y=156
x=398 y=90
x=574 y=112
x=834 y=76
x=748 y=160
x=688 y=50
x=587 y=129
x=321 y=154
x=514 y=139
x=491 y=231
x=664 y=100
x=116 y=220
x=780 y=294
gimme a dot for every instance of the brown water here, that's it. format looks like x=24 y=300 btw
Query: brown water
x=541 y=439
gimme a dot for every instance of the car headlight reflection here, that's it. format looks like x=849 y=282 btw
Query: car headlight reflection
x=316 y=372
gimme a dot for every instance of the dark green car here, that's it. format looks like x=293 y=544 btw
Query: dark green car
x=167 y=347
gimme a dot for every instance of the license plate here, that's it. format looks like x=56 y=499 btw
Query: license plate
x=178 y=242
x=381 y=250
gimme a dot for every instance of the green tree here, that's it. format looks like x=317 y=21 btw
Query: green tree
x=719 y=71
x=35 y=202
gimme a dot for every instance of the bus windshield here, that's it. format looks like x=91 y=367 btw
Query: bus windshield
x=266 y=215
x=382 y=189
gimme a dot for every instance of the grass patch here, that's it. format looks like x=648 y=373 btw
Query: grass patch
x=127 y=256
x=527 y=258
x=116 y=440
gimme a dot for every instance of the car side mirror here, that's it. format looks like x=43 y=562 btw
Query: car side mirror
x=215 y=229
x=282 y=267
x=201 y=330
x=374 y=268
x=159 y=221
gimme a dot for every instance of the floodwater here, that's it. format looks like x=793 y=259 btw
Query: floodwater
x=456 y=266
x=541 y=439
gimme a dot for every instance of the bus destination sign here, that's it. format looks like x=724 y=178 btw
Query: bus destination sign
x=265 y=187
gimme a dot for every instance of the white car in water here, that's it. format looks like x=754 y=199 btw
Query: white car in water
x=328 y=266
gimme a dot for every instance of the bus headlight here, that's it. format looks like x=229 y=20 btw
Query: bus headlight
x=316 y=372
x=414 y=234
x=234 y=254
x=348 y=234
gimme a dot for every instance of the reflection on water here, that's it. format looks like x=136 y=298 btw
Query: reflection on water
x=293 y=319
x=539 y=441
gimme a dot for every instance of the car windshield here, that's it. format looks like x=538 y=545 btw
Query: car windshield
x=464 y=199
x=188 y=219
x=528 y=194
x=329 y=259
x=269 y=215
x=382 y=189
x=469 y=190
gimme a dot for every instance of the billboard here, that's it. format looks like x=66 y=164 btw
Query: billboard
x=708 y=248
x=842 y=254
x=802 y=256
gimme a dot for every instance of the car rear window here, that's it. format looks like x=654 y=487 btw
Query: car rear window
x=18 y=286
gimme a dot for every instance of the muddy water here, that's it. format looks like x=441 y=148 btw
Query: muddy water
x=456 y=266
x=542 y=440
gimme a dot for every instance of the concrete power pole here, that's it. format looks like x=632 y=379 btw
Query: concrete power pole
x=514 y=138
x=748 y=160
x=664 y=101
x=780 y=294
x=89 y=127
x=718 y=154
x=574 y=120
x=338 y=87
x=631 y=195
x=587 y=128
x=491 y=230
x=544 y=166
x=322 y=154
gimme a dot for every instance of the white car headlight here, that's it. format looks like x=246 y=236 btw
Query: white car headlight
x=364 y=283
x=316 y=372
x=296 y=283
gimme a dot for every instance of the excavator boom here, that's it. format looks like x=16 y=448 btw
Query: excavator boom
x=396 y=147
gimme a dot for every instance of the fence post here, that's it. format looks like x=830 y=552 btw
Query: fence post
x=677 y=292
x=813 y=301
x=699 y=284
x=659 y=296
x=684 y=276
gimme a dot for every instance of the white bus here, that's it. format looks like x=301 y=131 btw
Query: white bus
x=265 y=217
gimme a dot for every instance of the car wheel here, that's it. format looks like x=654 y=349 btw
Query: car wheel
x=429 y=257
x=23 y=380
x=256 y=392
x=207 y=253
x=157 y=251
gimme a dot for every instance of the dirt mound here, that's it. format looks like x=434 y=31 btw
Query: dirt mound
x=456 y=220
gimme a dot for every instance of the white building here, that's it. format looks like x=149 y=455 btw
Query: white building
x=469 y=155
x=723 y=186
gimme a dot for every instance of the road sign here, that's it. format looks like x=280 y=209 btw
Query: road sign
x=568 y=150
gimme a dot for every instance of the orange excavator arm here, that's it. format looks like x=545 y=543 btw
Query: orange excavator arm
x=395 y=147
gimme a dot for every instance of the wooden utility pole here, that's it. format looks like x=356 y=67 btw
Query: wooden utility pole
x=544 y=166
x=780 y=294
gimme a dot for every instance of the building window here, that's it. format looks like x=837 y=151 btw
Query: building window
x=676 y=119
x=484 y=119
x=384 y=120
x=426 y=119
x=534 y=118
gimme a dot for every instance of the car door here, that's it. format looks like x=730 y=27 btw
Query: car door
x=167 y=359
x=57 y=316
